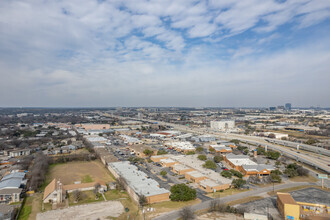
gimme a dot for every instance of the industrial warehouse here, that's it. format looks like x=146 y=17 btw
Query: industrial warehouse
x=137 y=183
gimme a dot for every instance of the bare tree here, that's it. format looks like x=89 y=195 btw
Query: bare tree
x=187 y=213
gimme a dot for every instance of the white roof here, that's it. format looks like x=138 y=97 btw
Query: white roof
x=137 y=180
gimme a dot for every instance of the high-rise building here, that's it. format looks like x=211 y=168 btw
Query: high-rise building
x=288 y=106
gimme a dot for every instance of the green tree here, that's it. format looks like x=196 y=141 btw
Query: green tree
x=274 y=155
x=202 y=157
x=199 y=149
x=182 y=192
x=275 y=178
x=190 y=153
x=238 y=183
x=226 y=174
x=235 y=141
x=218 y=158
x=236 y=173
x=148 y=152
x=163 y=173
x=211 y=149
x=161 y=152
x=209 y=164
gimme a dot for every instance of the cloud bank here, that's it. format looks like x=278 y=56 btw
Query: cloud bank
x=164 y=53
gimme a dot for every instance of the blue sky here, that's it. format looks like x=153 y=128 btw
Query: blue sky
x=220 y=53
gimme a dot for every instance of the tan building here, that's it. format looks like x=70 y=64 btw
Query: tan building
x=167 y=162
x=195 y=176
x=157 y=158
x=208 y=185
x=287 y=206
x=181 y=169
x=53 y=192
x=220 y=149
x=258 y=170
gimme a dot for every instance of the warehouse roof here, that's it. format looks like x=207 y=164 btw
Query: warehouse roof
x=137 y=180
x=258 y=167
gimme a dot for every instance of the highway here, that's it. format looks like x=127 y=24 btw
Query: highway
x=313 y=160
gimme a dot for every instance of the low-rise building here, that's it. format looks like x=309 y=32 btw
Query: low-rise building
x=258 y=170
x=137 y=183
x=180 y=146
x=10 y=195
x=237 y=161
x=221 y=149
x=181 y=169
x=19 y=152
x=167 y=162
x=194 y=176
x=210 y=186
x=157 y=158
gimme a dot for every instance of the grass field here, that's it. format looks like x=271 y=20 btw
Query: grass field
x=309 y=179
x=226 y=192
x=84 y=171
x=245 y=200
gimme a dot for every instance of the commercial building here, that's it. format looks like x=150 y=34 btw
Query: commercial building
x=130 y=140
x=291 y=209
x=137 y=183
x=222 y=125
x=258 y=170
x=204 y=138
x=157 y=158
x=194 y=171
x=180 y=146
x=18 y=152
x=236 y=161
x=220 y=149
x=11 y=186
x=181 y=169
x=167 y=162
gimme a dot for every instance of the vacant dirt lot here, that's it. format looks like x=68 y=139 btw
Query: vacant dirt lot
x=70 y=172
x=100 y=210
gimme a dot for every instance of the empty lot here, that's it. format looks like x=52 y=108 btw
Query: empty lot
x=101 y=210
x=70 y=172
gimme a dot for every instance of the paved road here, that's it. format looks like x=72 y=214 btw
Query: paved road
x=204 y=205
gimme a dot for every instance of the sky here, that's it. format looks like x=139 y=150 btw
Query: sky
x=182 y=53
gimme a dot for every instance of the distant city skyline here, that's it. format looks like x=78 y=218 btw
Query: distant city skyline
x=232 y=53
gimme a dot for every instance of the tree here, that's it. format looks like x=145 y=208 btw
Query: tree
x=302 y=171
x=161 y=152
x=260 y=151
x=190 y=153
x=238 y=183
x=97 y=187
x=274 y=155
x=275 y=178
x=211 y=149
x=202 y=157
x=163 y=173
x=209 y=164
x=78 y=195
x=311 y=141
x=182 y=192
x=235 y=141
x=199 y=149
x=236 y=173
x=218 y=158
x=186 y=213
x=226 y=174
x=148 y=152
x=271 y=135
x=142 y=200
x=277 y=163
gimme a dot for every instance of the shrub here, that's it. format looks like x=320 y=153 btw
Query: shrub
x=163 y=173
x=190 y=153
x=182 y=192
x=218 y=158
x=236 y=173
x=161 y=152
x=226 y=174
x=199 y=149
x=187 y=213
x=238 y=183
x=209 y=164
x=202 y=157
